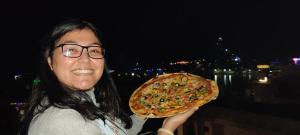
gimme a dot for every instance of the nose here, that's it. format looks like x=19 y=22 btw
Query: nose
x=84 y=55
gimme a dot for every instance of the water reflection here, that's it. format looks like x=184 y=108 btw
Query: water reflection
x=225 y=80
x=216 y=78
x=234 y=87
x=230 y=79
x=254 y=87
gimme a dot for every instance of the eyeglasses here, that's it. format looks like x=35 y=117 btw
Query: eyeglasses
x=75 y=50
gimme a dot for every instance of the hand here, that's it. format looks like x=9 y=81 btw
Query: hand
x=172 y=123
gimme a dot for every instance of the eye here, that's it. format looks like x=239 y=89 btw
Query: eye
x=72 y=50
x=95 y=50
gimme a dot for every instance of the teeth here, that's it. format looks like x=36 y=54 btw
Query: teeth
x=82 y=71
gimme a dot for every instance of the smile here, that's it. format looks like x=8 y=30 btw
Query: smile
x=82 y=71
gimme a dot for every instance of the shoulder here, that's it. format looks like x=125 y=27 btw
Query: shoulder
x=61 y=121
x=57 y=115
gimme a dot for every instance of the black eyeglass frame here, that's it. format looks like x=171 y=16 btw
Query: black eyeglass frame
x=82 y=47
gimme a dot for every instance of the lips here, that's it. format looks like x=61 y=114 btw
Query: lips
x=83 y=71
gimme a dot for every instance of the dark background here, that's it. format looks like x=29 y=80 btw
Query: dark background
x=155 y=32
x=150 y=32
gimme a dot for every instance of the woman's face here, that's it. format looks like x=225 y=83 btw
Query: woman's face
x=80 y=73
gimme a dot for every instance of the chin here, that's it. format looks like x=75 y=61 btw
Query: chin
x=84 y=87
x=86 y=84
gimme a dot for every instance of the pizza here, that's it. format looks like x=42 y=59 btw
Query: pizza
x=169 y=94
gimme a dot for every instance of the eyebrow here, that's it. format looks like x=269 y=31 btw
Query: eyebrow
x=74 y=42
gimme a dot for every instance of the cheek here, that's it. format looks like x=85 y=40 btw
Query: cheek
x=100 y=69
x=61 y=68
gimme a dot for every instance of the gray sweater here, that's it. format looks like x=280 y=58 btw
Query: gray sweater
x=57 y=121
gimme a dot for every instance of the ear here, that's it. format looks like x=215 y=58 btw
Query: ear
x=50 y=63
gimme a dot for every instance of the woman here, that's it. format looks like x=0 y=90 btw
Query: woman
x=76 y=96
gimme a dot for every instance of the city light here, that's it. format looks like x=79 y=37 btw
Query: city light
x=182 y=62
x=237 y=59
x=264 y=80
x=17 y=77
x=263 y=66
x=296 y=61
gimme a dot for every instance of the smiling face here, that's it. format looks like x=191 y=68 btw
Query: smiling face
x=80 y=73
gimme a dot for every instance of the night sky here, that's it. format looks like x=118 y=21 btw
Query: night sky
x=156 y=31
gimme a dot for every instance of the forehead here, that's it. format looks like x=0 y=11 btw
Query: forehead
x=84 y=36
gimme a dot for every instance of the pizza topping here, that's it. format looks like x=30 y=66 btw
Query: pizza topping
x=164 y=86
x=162 y=100
x=184 y=80
x=156 y=85
x=175 y=85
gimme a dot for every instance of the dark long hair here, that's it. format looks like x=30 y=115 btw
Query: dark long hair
x=56 y=95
